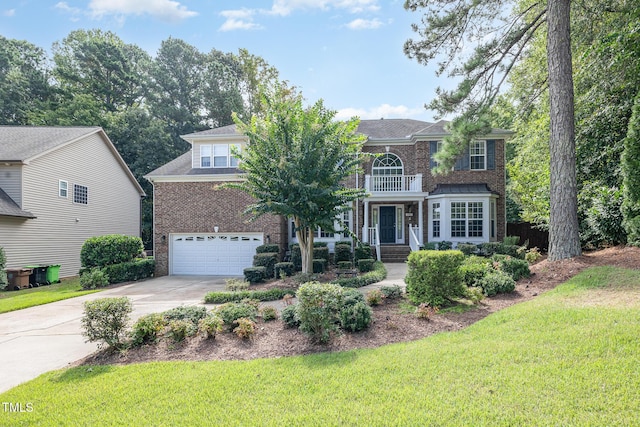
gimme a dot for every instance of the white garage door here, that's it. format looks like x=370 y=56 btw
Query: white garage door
x=213 y=254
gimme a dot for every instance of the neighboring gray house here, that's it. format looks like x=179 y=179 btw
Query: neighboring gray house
x=58 y=187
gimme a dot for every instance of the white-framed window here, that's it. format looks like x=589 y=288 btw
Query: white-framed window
x=80 y=194
x=435 y=220
x=478 y=155
x=205 y=156
x=63 y=189
x=218 y=155
x=466 y=219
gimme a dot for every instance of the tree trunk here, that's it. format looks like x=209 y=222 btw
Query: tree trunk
x=564 y=238
x=305 y=240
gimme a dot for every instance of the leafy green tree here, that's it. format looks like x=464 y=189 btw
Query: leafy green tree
x=499 y=32
x=297 y=162
x=222 y=95
x=24 y=81
x=99 y=64
x=631 y=174
x=256 y=73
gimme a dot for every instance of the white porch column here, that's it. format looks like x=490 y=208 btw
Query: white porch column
x=365 y=226
x=420 y=223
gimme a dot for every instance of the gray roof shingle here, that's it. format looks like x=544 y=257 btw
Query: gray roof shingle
x=9 y=208
x=20 y=143
x=461 y=189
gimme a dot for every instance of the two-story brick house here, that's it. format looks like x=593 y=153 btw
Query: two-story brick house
x=200 y=228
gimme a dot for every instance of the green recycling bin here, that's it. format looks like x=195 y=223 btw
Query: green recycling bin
x=53 y=273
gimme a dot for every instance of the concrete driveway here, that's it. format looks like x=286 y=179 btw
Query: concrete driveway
x=47 y=337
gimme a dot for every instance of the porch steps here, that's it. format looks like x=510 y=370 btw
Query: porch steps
x=394 y=253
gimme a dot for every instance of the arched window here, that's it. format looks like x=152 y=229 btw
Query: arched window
x=388 y=164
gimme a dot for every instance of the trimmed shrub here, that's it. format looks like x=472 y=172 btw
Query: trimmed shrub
x=320 y=244
x=319 y=265
x=467 y=248
x=356 y=317
x=179 y=329
x=232 y=311
x=268 y=261
x=374 y=297
x=474 y=268
x=268 y=248
x=345 y=265
x=289 y=316
x=101 y=251
x=516 y=268
x=321 y=253
x=210 y=325
x=296 y=257
x=391 y=292
x=106 y=319
x=342 y=253
x=492 y=248
x=365 y=265
x=93 y=279
x=190 y=313
x=429 y=246
x=147 y=329
x=511 y=240
x=434 y=277
x=378 y=274
x=130 y=271
x=272 y=294
x=351 y=296
x=269 y=313
x=236 y=285
x=246 y=328
x=445 y=245
x=362 y=251
x=254 y=274
x=319 y=307
x=286 y=268
x=497 y=282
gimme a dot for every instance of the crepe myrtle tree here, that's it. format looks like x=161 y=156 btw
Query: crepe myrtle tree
x=297 y=162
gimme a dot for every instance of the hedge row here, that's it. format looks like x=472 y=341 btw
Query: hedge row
x=260 y=295
x=110 y=249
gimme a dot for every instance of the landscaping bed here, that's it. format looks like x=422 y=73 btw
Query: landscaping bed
x=393 y=321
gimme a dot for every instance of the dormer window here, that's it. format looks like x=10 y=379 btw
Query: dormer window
x=218 y=156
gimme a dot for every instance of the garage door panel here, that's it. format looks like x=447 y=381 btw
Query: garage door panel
x=213 y=254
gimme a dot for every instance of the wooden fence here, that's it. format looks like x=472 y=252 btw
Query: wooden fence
x=526 y=231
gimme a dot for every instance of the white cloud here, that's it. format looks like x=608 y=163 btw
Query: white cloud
x=365 y=24
x=9 y=12
x=244 y=18
x=382 y=111
x=164 y=10
x=74 y=12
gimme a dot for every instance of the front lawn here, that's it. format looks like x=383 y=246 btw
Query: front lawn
x=17 y=300
x=568 y=357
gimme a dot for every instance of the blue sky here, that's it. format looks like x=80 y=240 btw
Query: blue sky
x=347 y=52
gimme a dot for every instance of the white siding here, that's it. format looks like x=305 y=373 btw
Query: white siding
x=61 y=227
x=11 y=182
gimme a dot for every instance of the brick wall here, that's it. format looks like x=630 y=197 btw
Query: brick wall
x=197 y=207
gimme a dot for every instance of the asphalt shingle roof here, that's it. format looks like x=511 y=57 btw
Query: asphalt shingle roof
x=9 y=208
x=461 y=189
x=19 y=143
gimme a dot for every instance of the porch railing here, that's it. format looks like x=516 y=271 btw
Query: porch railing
x=374 y=239
x=414 y=242
x=393 y=183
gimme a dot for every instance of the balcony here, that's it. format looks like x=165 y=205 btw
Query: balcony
x=393 y=183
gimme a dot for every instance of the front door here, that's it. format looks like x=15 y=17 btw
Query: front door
x=387 y=224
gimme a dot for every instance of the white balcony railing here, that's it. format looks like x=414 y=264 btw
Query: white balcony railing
x=393 y=183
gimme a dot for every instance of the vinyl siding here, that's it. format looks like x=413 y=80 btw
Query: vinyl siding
x=61 y=227
x=11 y=182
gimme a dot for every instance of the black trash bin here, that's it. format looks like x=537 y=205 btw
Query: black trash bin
x=39 y=276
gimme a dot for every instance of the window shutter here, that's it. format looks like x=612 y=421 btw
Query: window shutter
x=463 y=162
x=491 y=154
x=433 y=149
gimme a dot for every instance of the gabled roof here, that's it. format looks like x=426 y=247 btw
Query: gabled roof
x=10 y=208
x=391 y=128
x=21 y=144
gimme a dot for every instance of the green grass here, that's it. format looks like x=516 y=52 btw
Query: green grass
x=17 y=300
x=569 y=357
